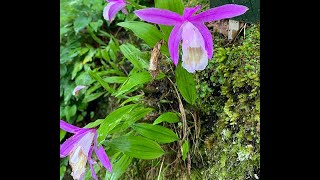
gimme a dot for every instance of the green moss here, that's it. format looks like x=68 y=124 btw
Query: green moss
x=230 y=91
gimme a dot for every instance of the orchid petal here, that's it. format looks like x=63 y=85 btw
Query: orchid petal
x=103 y=157
x=112 y=9
x=220 y=12
x=76 y=90
x=174 y=41
x=115 y=1
x=68 y=145
x=159 y=16
x=68 y=127
x=86 y=141
x=194 y=55
x=188 y=12
x=124 y=11
x=91 y=162
x=206 y=34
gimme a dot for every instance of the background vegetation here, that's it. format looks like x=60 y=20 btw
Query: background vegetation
x=222 y=139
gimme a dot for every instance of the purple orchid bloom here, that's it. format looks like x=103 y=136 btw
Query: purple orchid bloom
x=76 y=90
x=79 y=148
x=113 y=7
x=197 y=44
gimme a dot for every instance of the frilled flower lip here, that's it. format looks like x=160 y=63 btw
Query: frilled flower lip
x=79 y=133
x=169 y=18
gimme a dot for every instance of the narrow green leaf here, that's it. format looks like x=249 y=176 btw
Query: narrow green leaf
x=95 y=76
x=77 y=67
x=137 y=146
x=92 y=97
x=120 y=166
x=115 y=79
x=186 y=84
x=112 y=120
x=135 y=115
x=89 y=56
x=134 y=80
x=169 y=117
x=94 y=37
x=94 y=124
x=134 y=56
x=62 y=171
x=132 y=99
x=185 y=149
x=149 y=33
x=155 y=132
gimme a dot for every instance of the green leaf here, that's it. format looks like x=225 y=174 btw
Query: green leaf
x=149 y=33
x=77 y=67
x=186 y=84
x=62 y=134
x=184 y=150
x=91 y=97
x=112 y=120
x=134 y=56
x=134 y=116
x=134 y=80
x=119 y=167
x=137 y=146
x=132 y=99
x=96 y=25
x=62 y=171
x=156 y=132
x=169 y=117
x=80 y=23
x=95 y=76
x=94 y=124
x=70 y=111
x=94 y=37
x=89 y=56
x=115 y=79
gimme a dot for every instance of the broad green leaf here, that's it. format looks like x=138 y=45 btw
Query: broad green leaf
x=94 y=124
x=96 y=25
x=77 y=67
x=172 y=5
x=91 y=97
x=81 y=22
x=186 y=84
x=149 y=33
x=184 y=150
x=112 y=120
x=134 y=80
x=62 y=134
x=119 y=167
x=135 y=115
x=137 y=146
x=169 y=117
x=132 y=99
x=133 y=55
x=115 y=79
x=156 y=132
x=63 y=70
x=89 y=56
x=70 y=111
x=83 y=79
x=95 y=76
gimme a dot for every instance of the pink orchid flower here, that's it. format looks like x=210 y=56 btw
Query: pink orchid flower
x=197 y=44
x=113 y=7
x=76 y=90
x=79 y=148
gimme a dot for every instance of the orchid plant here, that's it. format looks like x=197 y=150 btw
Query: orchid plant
x=79 y=148
x=112 y=8
x=197 y=44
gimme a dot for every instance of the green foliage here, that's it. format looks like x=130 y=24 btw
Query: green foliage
x=156 y=132
x=184 y=150
x=169 y=117
x=232 y=96
x=186 y=84
x=137 y=146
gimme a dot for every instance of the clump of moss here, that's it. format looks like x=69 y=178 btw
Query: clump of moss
x=230 y=106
